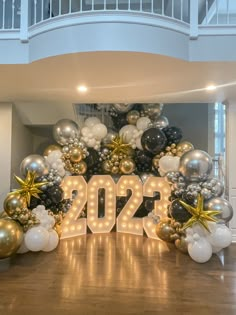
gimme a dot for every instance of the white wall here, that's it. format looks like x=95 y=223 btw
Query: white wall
x=22 y=145
x=5 y=156
x=192 y=119
x=231 y=163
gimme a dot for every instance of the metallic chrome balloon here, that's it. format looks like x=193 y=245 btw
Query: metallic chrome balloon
x=34 y=163
x=183 y=147
x=127 y=166
x=123 y=107
x=13 y=202
x=76 y=154
x=215 y=186
x=11 y=236
x=152 y=110
x=64 y=130
x=132 y=117
x=161 y=122
x=51 y=148
x=222 y=205
x=182 y=245
x=195 y=165
x=109 y=137
x=164 y=230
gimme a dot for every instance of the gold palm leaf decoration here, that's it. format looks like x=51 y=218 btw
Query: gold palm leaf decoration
x=199 y=215
x=118 y=146
x=28 y=187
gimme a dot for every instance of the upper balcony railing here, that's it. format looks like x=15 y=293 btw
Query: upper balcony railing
x=195 y=17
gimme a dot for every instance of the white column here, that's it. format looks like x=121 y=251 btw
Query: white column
x=231 y=163
x=5 y=156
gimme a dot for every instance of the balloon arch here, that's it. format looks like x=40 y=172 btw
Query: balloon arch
x=139 y=175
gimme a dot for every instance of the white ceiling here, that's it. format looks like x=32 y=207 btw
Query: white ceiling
x=44 y=91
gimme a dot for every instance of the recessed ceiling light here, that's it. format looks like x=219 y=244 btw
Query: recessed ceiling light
x=82 y=88
x=211 y=88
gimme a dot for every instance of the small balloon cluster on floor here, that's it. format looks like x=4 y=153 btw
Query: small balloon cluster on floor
x=140 y=142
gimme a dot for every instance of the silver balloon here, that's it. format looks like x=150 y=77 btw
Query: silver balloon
x=222 y=205
x=195 y=165
x=132 y=117
x=123 y=107
x=109 y=137
x=64 y=130
x=34 y=163
x=152 y=110
x=161 y=122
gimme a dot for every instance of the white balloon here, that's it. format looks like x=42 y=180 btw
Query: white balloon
x=138 y=143
x=221 y=237
x=91 y=143
x=47 y=222
x=127 y=133
x=53 y=241
x=143 y=123
x=23 y=248
x=200 y=251
x=99 y=131
x=216 y=250
x=85 y=131
x=91 y=121
x=36 y=238
x=169 y=163
x=161 y=172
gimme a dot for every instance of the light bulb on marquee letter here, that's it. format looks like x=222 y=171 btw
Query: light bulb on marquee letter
x=105 y=224
x=156 y=184
x=71 y=225
x=125 y=221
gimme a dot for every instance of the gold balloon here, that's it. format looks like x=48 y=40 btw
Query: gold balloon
x=132 y=117
x=11 y=237
x=164 y=230
x=58 y=229
x=81 y=168
x=13 y=202
x=127 y=166
x=183 y=147
x=182 y=245
x=155 y=162
x=76 y=155
x=51 y=148
x=3 y=214
x=107 y=165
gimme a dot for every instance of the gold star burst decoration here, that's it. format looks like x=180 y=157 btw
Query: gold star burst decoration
x=199 y=215
x=28 y=187
x=118 y=146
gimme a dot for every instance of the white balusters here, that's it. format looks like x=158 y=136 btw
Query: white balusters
x=3 y=11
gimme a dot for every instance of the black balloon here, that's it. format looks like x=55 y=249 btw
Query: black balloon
x=92 y=158
x=143 y=161
x=173 y=134
x=153 y=140
x=119 y=121
x=55 y=194
x=178 y=212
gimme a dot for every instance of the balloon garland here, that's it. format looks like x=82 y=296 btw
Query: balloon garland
x=142 y=143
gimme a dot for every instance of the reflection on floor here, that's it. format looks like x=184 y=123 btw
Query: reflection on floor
x=117 y=274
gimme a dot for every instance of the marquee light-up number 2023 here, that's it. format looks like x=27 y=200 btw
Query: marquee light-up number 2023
x=126 y=223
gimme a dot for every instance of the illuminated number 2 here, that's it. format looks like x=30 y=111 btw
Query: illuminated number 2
x=125 y=221
x=71 y=225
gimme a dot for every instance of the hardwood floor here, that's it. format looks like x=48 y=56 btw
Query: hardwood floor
x=117 y=274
